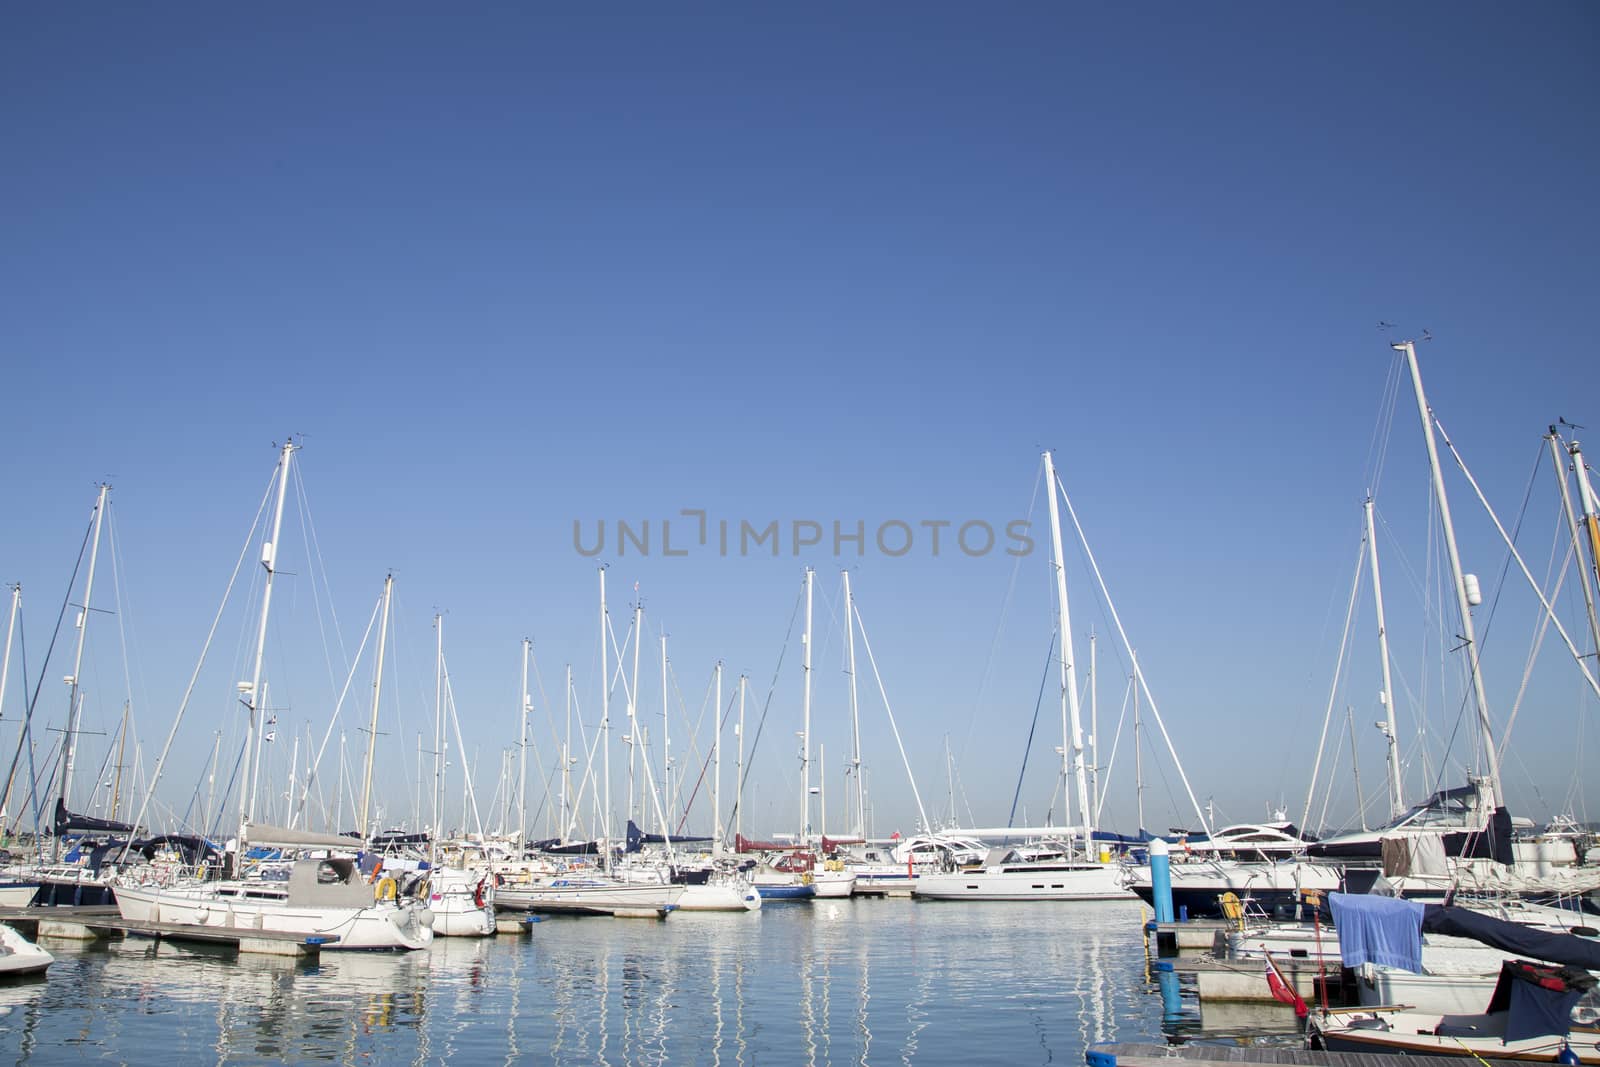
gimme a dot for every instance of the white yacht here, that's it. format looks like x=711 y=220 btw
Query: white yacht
x=1005 y=875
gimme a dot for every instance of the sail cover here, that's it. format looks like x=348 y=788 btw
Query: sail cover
x=67 y=821
x=1512 y=937
x=287 y=837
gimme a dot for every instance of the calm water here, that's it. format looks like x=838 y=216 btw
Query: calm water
x=853 y=981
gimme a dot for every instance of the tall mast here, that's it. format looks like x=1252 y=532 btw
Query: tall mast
x=633 y=698
x=855 y=718
x=1138 y=748
x=522 y=755
x=1397 y=803
x=1094 y=730
x=69 y=741
x=822 y=791
x=1355 y=765
x=666 y=735
x=377 y=691
x=1590 y=522
x=5 y=673
x=716 y=771
x=211 y=784
x=805 y=735
x=738 y=792
x=949 y=781
x=1463 y=605
x=1071 y=740
x=566 y=764
x=438 y=736
x=251 y=690
x=605 y=727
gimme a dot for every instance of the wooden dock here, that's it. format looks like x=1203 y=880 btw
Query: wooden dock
x=95 y=923
x=1201 y=934
x=1140 y=1055
x=1245 y=980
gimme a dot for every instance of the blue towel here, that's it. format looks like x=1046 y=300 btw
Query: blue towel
x=1377 y=929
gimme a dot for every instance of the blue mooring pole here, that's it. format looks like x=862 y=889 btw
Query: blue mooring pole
x=1161 y=880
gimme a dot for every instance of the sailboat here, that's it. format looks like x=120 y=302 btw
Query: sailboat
x=580 y=888
x=1006 y=873
x=323 y=896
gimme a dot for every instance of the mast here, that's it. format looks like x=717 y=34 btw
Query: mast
x=122 y=751
x=605 y=728
x=636 y=739
x=666 y=735
x=377 y=691
x=5 y=673
x=211 y=784
x=1591 y=511
x=566 y=764
x=288 y=798
x=1355 y=765
x=251 y=690
x=1589 y=522
x=822 y=791
x=1072 y=740
x=1138 y=749
x=69 y=742
x=1094 y=730
x=1463 y=604
x=949 y=781
x=805 y=736
x=438 y=738
x=1397 y=802
x=738 y=793
x=522 y=752
x=855 y=718
x=716 y=771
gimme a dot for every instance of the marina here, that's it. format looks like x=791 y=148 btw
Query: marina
x=644 y=535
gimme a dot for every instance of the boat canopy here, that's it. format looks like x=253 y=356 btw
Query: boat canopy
x=1538 y=1000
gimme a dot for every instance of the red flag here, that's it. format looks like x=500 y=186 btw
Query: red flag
x=1281 y=989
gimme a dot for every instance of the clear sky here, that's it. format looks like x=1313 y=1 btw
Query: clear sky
x=508 y=269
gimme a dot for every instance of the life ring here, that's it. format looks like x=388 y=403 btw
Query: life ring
x=477 y=893
x=385 y=889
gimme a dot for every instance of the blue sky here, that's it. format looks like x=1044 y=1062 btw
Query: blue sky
x=513 y=268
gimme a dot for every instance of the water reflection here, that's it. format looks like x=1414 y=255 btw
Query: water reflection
x=837 y=982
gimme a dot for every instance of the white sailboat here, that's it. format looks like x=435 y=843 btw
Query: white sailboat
x=322 y=897
x=1007 y=875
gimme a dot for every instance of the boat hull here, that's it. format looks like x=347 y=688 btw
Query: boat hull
x=1054 y=882
x=378 y=927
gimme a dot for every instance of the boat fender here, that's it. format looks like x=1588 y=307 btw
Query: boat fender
x=477 y=893
x=424 y=890
x=385 y=889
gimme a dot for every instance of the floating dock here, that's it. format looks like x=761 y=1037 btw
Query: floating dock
x=94 y=923
x=1139 y=1055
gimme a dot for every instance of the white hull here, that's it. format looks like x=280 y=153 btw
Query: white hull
x=462 y=903
x=1469 y=1036
x=17 y=894
x=834 y=883
x=712 y=897
x=18 y=955
x=378 y=926
x=1078 y=881
x=587 y=895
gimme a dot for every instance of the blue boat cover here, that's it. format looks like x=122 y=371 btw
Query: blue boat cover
x=1376 y=929
x=1513 y=937
x=1538 y=1001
